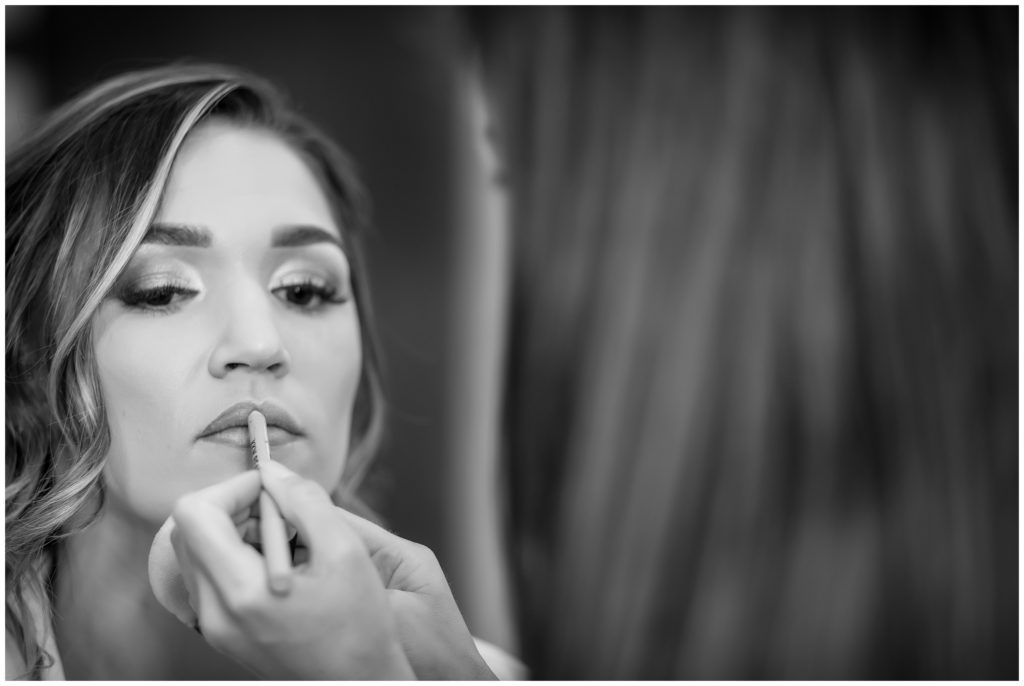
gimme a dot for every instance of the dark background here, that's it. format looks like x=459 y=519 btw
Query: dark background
x=379 y=81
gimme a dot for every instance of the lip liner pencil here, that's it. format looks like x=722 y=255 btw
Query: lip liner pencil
x=273 y=535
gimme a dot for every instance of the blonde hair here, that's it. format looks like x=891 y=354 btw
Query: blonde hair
x=81 y=194
x=761 y=384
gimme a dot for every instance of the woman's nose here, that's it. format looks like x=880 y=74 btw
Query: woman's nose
x=250 y=339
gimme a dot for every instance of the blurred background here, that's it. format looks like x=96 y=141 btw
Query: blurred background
x=381 y=82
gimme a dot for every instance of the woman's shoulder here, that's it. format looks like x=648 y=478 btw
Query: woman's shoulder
x=505 y=666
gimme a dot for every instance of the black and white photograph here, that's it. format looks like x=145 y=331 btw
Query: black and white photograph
x=512 y=342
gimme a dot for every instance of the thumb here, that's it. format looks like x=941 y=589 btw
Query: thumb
x=375 y=538
x=402 y=564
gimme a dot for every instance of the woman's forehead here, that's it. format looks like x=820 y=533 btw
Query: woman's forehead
x=226 y=172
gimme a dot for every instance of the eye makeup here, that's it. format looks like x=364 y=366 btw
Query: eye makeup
x=312 y=282
x=154 y=291
x=310 y=291
x=309 y=279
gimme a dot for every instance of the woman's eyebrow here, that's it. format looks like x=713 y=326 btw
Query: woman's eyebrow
x=178 y=234
x=303 y=234
x=188 y=235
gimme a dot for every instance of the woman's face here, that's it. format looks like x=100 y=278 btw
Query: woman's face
x=239 y=297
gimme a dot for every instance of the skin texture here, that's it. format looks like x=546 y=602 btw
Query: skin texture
x=190 y=331
x=193 y=330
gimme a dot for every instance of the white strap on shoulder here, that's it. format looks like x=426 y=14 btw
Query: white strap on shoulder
x=505 y=666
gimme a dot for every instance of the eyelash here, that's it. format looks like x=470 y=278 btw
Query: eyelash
x=138 y=298
x=325 y=293
x=164 y=298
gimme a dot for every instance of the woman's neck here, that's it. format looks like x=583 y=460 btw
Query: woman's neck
x=108 y=623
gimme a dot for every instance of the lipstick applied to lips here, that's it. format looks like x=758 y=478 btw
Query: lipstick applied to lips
x=273 y=534
x=231 y=426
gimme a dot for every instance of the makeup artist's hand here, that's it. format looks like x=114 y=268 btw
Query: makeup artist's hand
x=433 y=633
x=335 y=623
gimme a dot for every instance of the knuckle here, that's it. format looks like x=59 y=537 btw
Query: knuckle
x=185 y=507
x=423 y=553
x=244 y=602
x=217 y=632
x=343 y=552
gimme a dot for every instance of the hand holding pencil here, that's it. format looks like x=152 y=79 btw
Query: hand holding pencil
x=328 y=617
x=345 y=612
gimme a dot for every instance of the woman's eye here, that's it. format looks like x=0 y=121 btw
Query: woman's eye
x=157 y=297
x=309 y=294
x=300 y=294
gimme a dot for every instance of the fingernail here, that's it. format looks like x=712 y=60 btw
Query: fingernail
x=277 y=470
x=281 y=585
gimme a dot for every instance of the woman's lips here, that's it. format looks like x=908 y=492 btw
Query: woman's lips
x=238 y=436
x=238 y=415
x=231 y=427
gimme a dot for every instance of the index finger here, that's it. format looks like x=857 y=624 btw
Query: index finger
x=204 y=520
x=232 y=495
x=308 y=507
